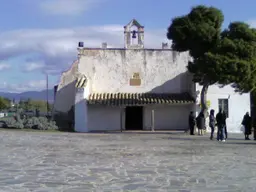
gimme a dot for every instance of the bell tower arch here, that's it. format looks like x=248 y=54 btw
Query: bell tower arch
x=134 y=35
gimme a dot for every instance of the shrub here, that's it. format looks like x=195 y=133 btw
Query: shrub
x=41 y=123
x=31 y=122
x=40 y=126
x=19 y=125
x=10 y=121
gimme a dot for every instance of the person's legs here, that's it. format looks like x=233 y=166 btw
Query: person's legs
x=221 y=137
x=226 y=132
x=212 y=132
x=223 y=133
x=218 y=132
x=246 y=133
x=254 y=133
x=191 y=130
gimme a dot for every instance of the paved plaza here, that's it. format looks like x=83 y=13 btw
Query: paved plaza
x=72 y=162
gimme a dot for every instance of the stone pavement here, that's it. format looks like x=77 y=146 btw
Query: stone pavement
x=72 y=162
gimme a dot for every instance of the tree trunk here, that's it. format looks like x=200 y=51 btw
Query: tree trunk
x=204 y=99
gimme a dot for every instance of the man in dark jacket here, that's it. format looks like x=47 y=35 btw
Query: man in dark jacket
x=225 y=125
x=191 y=122
x=220 y=118
x=247 y=123
x=200 y=122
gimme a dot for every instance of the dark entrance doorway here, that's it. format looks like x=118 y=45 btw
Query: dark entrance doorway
x=134 y=118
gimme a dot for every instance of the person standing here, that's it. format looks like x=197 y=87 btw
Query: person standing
x=200 y=121
x=220 y=124
x=225 y=125
x=254 y=128
x=212 y=123
x=192 y=122
x=247 y=123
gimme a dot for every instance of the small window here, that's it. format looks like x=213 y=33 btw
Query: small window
x=223 y=104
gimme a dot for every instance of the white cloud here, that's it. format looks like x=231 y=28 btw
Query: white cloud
x=252 y=22
x=25 y=86
x=67 y=7
x=55 y=49
x=32 y=66
x=4 y=66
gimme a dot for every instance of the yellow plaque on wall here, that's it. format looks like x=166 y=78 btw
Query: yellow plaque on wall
x=135 y=80
x=208 y=104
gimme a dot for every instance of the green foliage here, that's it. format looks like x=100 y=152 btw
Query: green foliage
x=41 y=123
x=4 y=103
x=19 y=125
x=10 y=121
x=31 y=122
x=20 y=121
x=224 y=57
x=32 y=105
x=197 y=32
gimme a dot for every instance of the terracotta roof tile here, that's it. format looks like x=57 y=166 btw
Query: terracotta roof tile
x=119 y=99
x=81 y=82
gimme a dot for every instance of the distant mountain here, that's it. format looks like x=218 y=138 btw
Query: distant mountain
x=34 y=95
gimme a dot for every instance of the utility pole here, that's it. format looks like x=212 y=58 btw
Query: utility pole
x=47 y=97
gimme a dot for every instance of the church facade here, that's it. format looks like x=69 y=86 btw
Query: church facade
x=134 y=88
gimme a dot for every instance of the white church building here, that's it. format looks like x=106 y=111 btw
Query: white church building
x=134 y=88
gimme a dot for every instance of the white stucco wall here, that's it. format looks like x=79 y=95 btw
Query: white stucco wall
x=101 y=118
x=238 y=104
x=65 y=95
x=161 y=71
x=173 y=117
x=110 y=70
x=81 y=109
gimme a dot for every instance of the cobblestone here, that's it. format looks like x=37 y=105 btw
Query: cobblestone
x=67 y=162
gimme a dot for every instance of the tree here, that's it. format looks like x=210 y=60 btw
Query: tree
x=223 y=57
x=28 y=105
x=4 y=103
x=40 y=104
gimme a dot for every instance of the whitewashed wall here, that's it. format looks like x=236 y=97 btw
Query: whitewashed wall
x=238 y=104
x=110 y=70
x=172 y=117
x=102 y=118
x=161 y=71
x=65 y=95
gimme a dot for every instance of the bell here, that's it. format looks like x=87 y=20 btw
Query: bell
x=134 y=34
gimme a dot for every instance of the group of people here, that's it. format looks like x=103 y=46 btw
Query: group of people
x=220 y=122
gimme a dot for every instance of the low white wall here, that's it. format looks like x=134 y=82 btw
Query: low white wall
x=65 y=95
x=172 y=117
x=102 y=118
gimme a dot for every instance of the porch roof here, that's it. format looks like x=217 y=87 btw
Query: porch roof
x=133 y=99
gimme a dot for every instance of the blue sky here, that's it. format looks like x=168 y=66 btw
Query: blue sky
x=40 y=36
